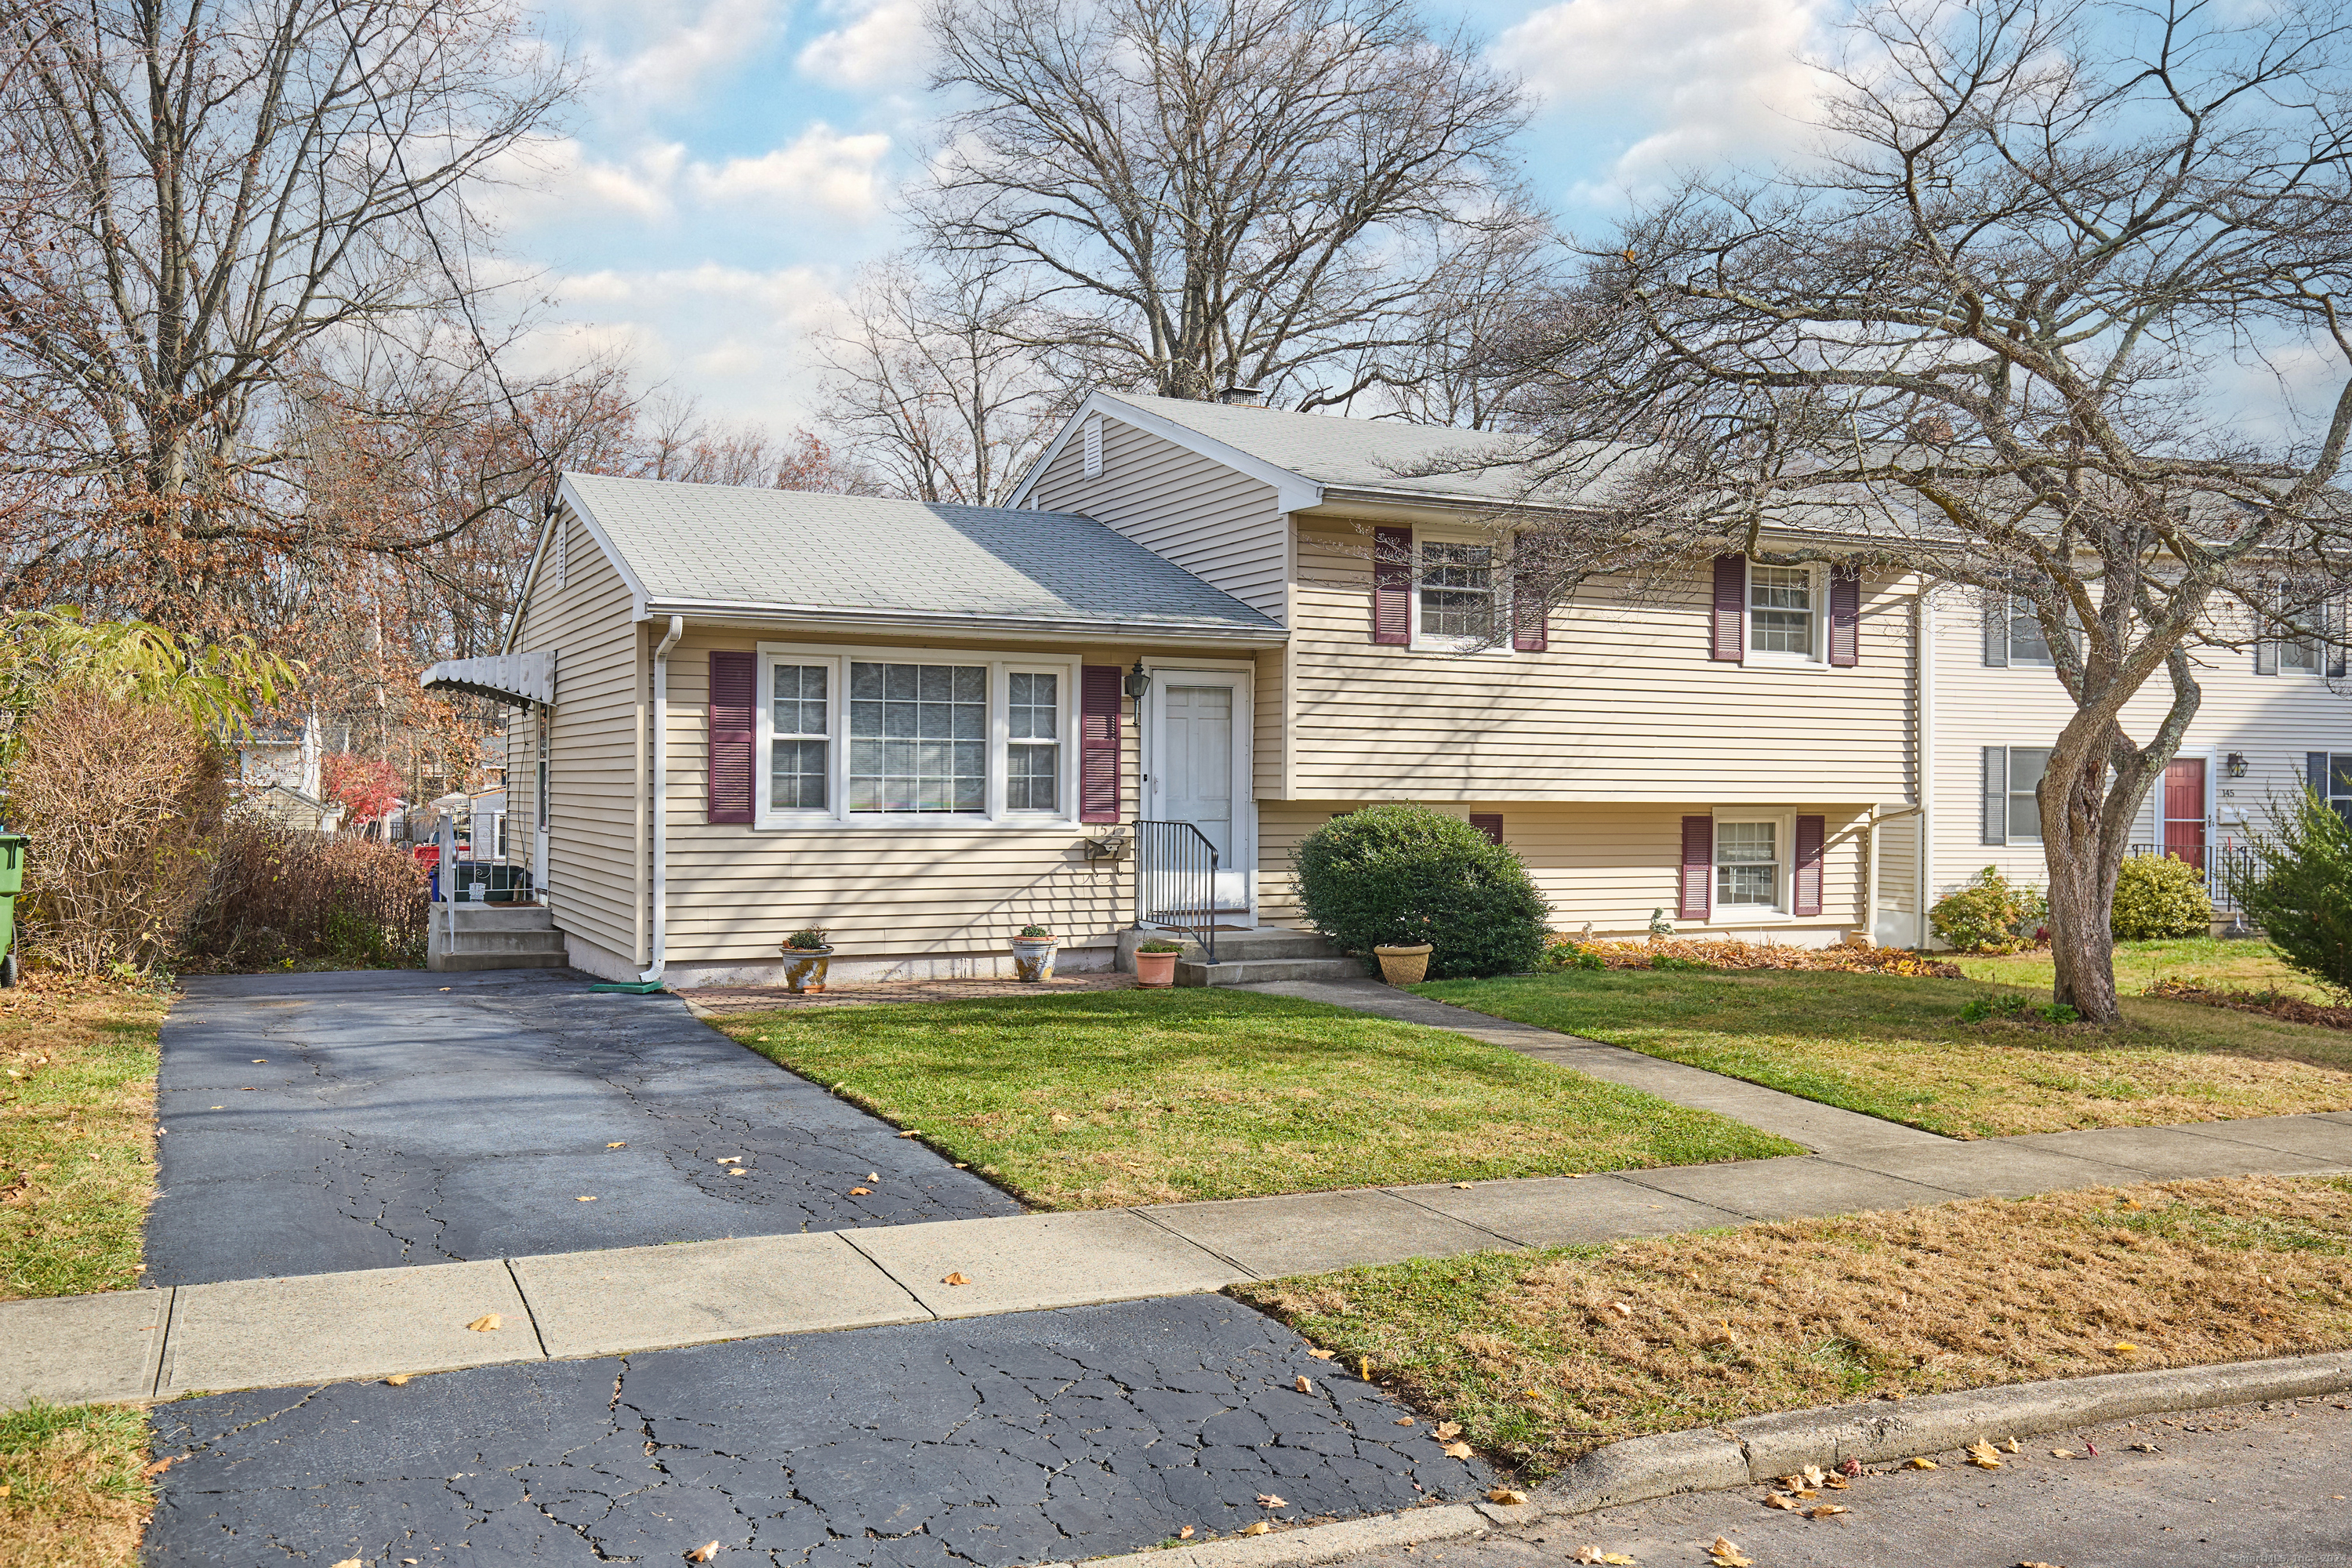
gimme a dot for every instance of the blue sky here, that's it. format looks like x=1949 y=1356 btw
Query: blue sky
x=733 y=162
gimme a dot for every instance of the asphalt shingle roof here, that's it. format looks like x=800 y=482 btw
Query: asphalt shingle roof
x=1367 y=454
x=725 y=544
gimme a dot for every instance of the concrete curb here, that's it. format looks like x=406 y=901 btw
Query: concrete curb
x=1750 y=1452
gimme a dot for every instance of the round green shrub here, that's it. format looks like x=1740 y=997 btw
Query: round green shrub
x=2157 y=896
x=1396 y=875
x=1989 y=915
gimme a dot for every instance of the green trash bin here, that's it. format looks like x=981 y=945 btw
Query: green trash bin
x=12 y=882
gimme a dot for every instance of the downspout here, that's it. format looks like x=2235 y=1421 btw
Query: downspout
x=1923 y=870
x=661 y=800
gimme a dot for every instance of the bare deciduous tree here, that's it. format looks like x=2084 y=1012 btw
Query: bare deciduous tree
x=196 y=202
x=940 y=383
x=1195 y=193
x=1982 y=337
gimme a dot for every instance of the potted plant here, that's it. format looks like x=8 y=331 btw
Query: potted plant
x=1403 y=965
x=808 y=954
x=1033 y=953
x=1155 y=962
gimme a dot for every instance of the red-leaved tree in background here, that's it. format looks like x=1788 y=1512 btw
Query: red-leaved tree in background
x=366 y=787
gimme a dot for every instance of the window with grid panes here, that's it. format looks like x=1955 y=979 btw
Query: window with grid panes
x=1780 y=609
x=1033 y=741
x=800 y=764
x=918 y=737
x=1457 y=590
x=1748 y=864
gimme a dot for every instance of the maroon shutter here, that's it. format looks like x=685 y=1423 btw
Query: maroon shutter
x=1489 y=822
x=1530 y=614
x=1806 y=897
x=1728 y=636
x=1099 y=780
x=1393 y=586
x=733 y=677
x=1845 y=617
x=1698 y=856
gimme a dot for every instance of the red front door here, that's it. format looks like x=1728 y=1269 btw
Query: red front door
x=2184 y=810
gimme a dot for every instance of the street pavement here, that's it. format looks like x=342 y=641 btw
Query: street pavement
x=381 y=1118
x=1036 y=1437
x=2249 y=1487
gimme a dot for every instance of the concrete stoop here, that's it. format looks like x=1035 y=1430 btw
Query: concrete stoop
x=493 y=936
x=1250 y=957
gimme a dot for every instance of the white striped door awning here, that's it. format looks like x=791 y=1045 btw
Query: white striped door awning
x=509 y=676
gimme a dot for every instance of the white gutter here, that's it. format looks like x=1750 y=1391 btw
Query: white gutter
x=1923 y=870
x=661 y=800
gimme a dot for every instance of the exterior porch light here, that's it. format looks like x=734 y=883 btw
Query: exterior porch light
x=1137 y=682
x=2235 y=764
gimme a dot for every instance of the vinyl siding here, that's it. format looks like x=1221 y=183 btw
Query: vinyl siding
x=596 y=749
x=1625 y=706
x=917 y=890
x=1611 y=864
x=2272 y=720
x=1221 y=525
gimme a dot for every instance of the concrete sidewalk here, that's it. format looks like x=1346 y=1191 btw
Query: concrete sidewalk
x=165 y=1343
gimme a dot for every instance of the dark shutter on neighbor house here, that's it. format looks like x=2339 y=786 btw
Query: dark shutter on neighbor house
x=1489 y=822
x=2266 y=657
x=1393 y=586
x=1693 y=900
x=2314 y=773
x=1530 y=613
x=1845 y=617
x=1098 y=780
x=2331 y=621
x=1996 y=631
x=1995 y=826
x=1727 y=637
x=1812 y=836
x=733 y=678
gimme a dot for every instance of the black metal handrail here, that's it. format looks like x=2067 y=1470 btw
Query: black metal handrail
x=1176 y=882
x=2225 y=867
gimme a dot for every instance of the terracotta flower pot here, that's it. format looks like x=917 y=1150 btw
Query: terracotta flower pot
x=1403 y=965
x=1033 y=958
x=804 y=969
x=1155 y=969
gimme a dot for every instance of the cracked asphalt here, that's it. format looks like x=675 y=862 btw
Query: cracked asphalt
x=375 y=1119
x=1036 y=1437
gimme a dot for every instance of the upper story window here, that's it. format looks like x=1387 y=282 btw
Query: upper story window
x=2013 y=633
x=2013 y=813
x=1781 y=615
x=1457 y=590
x=862 y=736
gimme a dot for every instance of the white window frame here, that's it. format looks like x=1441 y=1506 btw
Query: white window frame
x=1784 y=827
x=1498 y=588
x=1001 y=667
x=1817 y=601
x=2009 y=792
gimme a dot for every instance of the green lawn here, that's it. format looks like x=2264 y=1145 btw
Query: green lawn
x=1542 y=1356
x=1895 y=1047
x=77 y=1134
x=2247 y=965
x=1108 y=1099
x=72 y=1486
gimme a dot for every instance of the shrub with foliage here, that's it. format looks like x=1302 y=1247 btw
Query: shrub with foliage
x=1989 y=915
x=1396 y=875
x=2303 y=898
x=282 y=895
x=2158 y=897
x=123 y=798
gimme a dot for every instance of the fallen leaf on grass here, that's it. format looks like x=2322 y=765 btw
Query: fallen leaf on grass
x=398 y=1379
x=1984 y=1455
x=1456 y=1450
x=487 y=1324
x=704 y=1553
x=2124 y=1347
x=861 y=1191
x=1621 y=1310
x=1825 y=1509
x=1917 y=1463
x=1594 y=1554
x=1449 y=1428
x=956 y=1279
x=159 y=1466
x=1254 y=1527
x=1322 y=1355
x=911 y=1132
x=1507 y=1497
x=1302 y=1384
x=1724 y=1554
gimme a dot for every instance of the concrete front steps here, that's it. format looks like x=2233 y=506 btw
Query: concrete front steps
x=494 y=936
x=1250 y=957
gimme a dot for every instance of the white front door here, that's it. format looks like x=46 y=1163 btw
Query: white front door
x=1200 y=772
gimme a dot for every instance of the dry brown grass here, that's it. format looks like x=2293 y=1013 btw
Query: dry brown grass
x=1547 y=1356
x=77 y=1133
x=76 y=1488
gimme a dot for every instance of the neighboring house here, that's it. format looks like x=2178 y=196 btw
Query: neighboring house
x=284 y=754
x=290 y=807
x=921 y=727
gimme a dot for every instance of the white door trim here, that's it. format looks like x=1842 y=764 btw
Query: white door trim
x=1239 y=680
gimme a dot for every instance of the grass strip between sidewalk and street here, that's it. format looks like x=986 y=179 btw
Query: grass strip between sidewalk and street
x=1543 y=1356
x=73 y=1486
x=1895 y=1046
x=1109 y=1098
x=77 y=1133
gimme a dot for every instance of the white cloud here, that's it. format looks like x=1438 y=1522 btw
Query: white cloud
x=681 y=51
x=1696 y=80
x=819 y=168
x=881 y=44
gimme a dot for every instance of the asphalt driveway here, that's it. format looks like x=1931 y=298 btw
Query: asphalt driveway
x=375 y=1119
